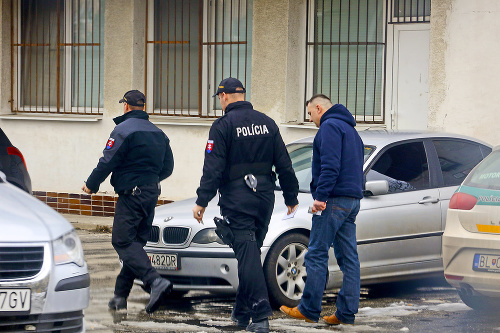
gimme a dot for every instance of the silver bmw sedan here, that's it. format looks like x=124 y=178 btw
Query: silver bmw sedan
x=410 y=178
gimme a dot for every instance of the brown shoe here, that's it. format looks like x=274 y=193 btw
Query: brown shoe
x=333 y=320
x=295 y=313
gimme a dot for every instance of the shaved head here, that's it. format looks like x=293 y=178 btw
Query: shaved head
x=320 y=99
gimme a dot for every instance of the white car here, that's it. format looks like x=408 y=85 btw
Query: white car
x=471 y=239
x=44 y=281
x=410 y=178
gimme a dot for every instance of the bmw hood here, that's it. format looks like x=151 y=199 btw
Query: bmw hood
x=181 y=212
x=23 y=217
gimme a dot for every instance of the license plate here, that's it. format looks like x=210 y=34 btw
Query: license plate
x=14 y=300
x=486 y=263
x=164 y=261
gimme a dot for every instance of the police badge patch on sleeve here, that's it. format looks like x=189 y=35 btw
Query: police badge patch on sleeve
x=110 y=143
x=210 y=146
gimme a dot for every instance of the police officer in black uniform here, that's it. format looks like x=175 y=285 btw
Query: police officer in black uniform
x=139 y=156
x=243 y=146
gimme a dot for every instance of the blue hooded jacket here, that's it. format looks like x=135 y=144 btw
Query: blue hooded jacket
x=337 y=163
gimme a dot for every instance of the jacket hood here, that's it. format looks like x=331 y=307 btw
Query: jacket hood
x=338 y=111
x=131 y=114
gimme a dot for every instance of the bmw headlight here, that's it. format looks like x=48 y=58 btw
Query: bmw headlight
x=68 y=248
x=207 y=236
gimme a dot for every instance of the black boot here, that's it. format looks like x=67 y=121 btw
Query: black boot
x=159 y=288
x=117 y=303
x=260 y=327
x=239 y=322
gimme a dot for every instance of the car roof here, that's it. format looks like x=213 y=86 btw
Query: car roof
x=385 y=137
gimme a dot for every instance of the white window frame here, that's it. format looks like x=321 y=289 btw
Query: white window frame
x=206 y=73
x=66 y=88
x=207 y=70
x=310 y=64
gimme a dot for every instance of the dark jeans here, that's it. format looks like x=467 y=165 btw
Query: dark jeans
x=252 y=299
x=334 y=226
x=131 y=229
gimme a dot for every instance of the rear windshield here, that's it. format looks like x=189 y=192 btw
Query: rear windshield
x=487 y=173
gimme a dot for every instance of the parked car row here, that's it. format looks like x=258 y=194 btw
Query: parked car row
x=44 y=281
x=410 y=178
x=417 y=185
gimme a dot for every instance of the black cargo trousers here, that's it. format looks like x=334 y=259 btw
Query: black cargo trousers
x=250 y=228
x=134 y=213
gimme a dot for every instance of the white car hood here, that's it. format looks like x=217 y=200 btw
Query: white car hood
x=181 y=213
x=23 y=217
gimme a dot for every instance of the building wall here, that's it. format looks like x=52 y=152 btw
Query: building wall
x=464 y=68
x=61 y=151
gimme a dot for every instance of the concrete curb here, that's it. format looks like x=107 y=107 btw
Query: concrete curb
x=90 y=223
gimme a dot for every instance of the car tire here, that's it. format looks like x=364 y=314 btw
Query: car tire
x=285 y=270
x=480 y=303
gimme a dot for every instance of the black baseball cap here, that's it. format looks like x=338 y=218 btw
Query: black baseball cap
x=229 y=86
x=134 y=98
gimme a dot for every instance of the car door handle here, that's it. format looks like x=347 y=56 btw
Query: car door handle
x=428 y=200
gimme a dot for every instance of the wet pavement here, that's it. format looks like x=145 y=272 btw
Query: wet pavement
x=424 y=306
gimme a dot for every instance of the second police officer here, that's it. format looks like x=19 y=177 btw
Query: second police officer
x=242 y=148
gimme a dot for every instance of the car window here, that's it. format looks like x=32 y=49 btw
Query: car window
x=487 y=173
x=301 y=156
x=404 y=166
x=457 y=158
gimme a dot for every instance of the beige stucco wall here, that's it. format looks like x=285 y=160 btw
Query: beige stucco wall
x=465 y=67
x=278 y=55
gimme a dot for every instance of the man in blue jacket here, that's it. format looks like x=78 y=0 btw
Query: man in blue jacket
x=138 y=155
x=336 y=187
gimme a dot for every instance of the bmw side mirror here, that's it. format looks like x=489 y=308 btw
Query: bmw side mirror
x=376 y=187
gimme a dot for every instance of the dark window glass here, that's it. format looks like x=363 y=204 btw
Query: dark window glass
x=457 y=159
x=403 y=166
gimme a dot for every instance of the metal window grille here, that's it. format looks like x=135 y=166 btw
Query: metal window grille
x=410 y=11
x=57 y=56
x=191 y=45
x=345 y=55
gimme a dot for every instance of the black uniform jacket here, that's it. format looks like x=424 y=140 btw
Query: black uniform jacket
x=245 y=141
x=137 y=153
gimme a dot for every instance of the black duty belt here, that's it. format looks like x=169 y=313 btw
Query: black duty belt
x=136 y=190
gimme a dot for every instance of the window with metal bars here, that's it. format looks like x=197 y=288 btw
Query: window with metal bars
x=191 y=45
x=345 y=55
x=410 y=11
x=57 y=56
